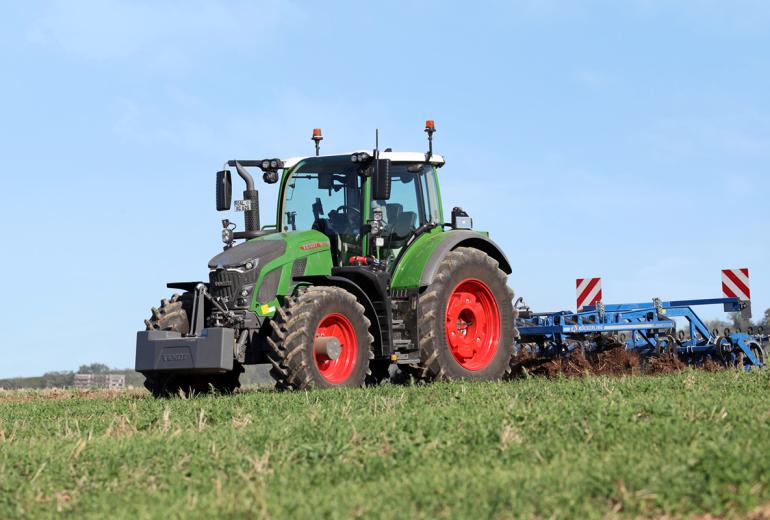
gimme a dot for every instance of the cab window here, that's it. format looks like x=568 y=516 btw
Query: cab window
x=408 y=208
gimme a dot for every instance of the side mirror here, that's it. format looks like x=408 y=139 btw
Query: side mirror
x=224 y=190
x=381 y=179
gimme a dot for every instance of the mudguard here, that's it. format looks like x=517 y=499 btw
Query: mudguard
x=421 y=260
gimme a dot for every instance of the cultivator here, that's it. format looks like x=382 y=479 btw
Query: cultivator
x=651 y=329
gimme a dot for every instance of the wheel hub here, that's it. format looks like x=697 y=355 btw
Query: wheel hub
x=335 y=348
x=472 y=324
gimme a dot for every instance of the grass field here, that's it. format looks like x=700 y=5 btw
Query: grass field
x=678 y=445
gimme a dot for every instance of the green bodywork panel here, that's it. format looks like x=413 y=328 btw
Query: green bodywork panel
x=408 y=272
x=310 y=244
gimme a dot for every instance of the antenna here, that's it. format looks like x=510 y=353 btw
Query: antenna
x=376 y=153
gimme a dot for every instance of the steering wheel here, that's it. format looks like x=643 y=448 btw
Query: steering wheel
x=348 y=209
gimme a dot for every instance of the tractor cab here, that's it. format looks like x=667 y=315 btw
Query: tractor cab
x=336 y=195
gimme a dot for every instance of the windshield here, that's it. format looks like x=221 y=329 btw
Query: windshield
x=325 y=194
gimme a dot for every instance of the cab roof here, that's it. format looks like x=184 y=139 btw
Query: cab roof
x=410 y=157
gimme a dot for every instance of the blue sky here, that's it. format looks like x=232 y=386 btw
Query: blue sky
x=629 y=140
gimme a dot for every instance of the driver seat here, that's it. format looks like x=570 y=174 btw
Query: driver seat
x=402 y=228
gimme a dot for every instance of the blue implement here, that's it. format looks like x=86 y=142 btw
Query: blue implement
x=649 y=328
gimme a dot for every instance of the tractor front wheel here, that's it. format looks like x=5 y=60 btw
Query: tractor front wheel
x=174 y=315
x=320 y=338
x=466 y=320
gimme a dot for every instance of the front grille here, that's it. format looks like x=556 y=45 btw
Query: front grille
x=225 y=284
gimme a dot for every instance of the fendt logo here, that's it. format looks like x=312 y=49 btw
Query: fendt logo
x=182 y=356
x=313 y=245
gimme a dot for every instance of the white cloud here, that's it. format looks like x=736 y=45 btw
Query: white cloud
x=717 y=15
x=160 y=32
x=708 y=136
x=594 y=79
x=736 y=16
x=280 y=124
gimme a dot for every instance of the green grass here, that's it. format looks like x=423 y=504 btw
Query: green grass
x=580 y=448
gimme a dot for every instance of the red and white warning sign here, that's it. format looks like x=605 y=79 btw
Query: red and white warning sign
x=589 y=291
x=735 y=284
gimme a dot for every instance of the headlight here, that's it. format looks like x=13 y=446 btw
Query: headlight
x=227 y=236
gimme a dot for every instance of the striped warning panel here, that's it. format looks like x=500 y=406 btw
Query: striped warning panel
x=589 y=291
x=735 y=284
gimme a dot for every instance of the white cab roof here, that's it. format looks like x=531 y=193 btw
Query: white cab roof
x=412 y=157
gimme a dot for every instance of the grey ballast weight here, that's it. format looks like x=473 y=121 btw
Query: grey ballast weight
x=212 y=351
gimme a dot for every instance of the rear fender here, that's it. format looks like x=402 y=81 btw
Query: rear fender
x=419 y=264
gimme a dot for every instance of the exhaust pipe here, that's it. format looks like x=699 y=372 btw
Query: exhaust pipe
x=251 y=212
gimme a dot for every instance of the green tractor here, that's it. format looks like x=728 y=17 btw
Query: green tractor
x=360 y=274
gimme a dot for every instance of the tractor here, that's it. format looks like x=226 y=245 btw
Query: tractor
x=360 y=278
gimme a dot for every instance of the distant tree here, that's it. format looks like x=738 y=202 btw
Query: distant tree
x=16 y=383
x=719 y=325
x=739 y=322
x=57 y=379
x=94 y=368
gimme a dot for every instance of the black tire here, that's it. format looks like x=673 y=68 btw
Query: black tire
x=295 y=326
x=380 y=372
x=437 y=361
x=174 y=315
x=724 y=350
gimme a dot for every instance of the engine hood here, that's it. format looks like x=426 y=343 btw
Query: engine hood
x=257 y=251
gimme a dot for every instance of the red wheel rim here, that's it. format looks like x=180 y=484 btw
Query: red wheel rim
x=336 y=371
x=472 y=324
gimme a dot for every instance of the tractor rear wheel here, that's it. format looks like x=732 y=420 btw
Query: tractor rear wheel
x=174 y=315
x=320 y=338
x=466 y=319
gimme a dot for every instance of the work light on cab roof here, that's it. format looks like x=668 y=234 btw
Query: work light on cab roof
x=317 y=138
x=430 y=128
